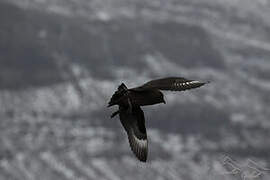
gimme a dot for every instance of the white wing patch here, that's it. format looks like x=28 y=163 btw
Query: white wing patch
x=142 y=143
x=138 y=146
x=178 y=85
x=194 y=82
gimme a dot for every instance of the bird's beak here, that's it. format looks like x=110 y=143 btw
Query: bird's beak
x=164 y=101
x=109 y=104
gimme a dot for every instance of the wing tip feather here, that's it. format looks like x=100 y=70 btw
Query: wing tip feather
x=139 y=147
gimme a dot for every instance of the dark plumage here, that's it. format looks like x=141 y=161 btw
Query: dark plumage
x=132 y=116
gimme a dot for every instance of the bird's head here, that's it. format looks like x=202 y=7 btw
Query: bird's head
x=162 y=99
x=118 y=95
x=159 y=97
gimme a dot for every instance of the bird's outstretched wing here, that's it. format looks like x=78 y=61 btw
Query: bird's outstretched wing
x=134 y=124
x=171 y=84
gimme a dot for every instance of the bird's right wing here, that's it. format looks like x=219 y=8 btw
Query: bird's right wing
x=134 y=124
x=171 y=84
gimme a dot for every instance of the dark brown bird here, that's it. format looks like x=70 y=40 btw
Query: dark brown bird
x=132 y=116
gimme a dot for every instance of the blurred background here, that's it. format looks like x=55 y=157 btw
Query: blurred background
x=61 y=60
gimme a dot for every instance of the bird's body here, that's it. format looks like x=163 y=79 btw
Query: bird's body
x=136 y=97
x=139 y=97
x=130 y=113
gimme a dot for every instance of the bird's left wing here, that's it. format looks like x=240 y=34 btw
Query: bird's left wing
x=134 y=124
x=171 y=84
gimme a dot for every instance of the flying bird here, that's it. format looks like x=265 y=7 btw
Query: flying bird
x=131 y=115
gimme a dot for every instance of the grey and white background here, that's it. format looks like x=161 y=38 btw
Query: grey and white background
x=60 y=61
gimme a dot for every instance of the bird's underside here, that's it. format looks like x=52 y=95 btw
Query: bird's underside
x=132 y=116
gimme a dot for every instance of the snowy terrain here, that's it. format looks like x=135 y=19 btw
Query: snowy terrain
x=60 y=61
